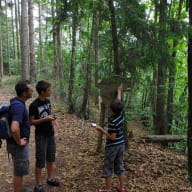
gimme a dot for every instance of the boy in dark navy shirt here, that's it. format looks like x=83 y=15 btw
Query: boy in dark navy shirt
x=115 y=145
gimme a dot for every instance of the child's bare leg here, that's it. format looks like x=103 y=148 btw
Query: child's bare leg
x=121 y=181
x=108 y=181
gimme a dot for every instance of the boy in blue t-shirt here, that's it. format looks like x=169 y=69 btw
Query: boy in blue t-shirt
x=115 y=145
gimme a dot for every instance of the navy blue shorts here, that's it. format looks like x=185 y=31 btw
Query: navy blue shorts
x=113 y=162
x=45 y=150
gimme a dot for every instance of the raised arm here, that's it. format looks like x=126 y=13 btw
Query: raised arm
x=119 y=91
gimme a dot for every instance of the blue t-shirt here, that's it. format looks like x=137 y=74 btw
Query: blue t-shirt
x=19 y=113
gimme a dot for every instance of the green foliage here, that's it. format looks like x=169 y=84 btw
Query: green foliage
x=140 y=49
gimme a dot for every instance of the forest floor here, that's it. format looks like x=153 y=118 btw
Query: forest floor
x=150 y=168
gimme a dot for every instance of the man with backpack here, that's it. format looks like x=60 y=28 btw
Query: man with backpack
x=18 y=146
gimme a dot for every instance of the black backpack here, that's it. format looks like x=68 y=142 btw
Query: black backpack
x=5 y=119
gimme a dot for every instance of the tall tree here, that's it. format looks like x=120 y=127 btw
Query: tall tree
x=8 y=67
x=1 y=49
x=31 y=42
x=13 y=30
x=172 y=73
x=84 y=106
x=18 y=50
x=73 y=51
x=161 y=116
x=190 y=94
x=24 y=40
x=41 y=62
x=117 y=69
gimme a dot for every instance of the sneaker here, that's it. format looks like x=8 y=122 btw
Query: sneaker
x=120 y=190
x=53 y=182
x=39 y=188
x=104 y=190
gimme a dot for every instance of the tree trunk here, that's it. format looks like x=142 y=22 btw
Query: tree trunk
x=161 y=117
x=59 y=59
x=117 y=69
x=31 y=42
x=13 y=32
x=96 y=47
x=18 y=50
x=189 y=139
x=155 y=76
x=84 y=110
x=101 y=123
x=54 y=36
x=72 y=67
x=41 y=62
x=1 y=50
x=24 y=40
x=172 y=72
x=8 y=45
x=164 y=138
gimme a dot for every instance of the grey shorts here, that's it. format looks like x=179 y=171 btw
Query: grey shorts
x=45 y=150
x=20 y=157
x=113 y=162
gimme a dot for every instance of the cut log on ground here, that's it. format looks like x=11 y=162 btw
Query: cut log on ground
x=164 y=138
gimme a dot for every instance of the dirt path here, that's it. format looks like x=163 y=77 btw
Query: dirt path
x=78 y=167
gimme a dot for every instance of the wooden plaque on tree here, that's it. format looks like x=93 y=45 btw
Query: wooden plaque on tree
x=108 y=87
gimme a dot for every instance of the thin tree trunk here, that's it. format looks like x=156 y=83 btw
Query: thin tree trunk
x=13 y=31
x=96 y=47
x=189 y=139
x=84 y=106
x=18 y=51
x=41 y=64
x=59 y=58
x=172 y=72
x=161 y=126
x=72 y=67
x=101 y=123
x=54 y=35
x=117 y=69
x=19 y=13
x=155 y=75
x=24 y=40
x=31 y=42
x=8 y=45
x=1 y=50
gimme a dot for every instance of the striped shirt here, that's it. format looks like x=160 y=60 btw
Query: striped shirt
x=116 y=125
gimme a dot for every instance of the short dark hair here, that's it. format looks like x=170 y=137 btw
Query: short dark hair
x=116 y=106
x=21 y=87
x=42 y=86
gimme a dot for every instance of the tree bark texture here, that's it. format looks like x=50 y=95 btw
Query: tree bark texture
x=8 y=67
x=189 y=139
x=24 y=40
x=101 y=123
x=164 y=138
x=41 y=62
x=117 y=69
x=1 y=48
x=84 y=106
x=172 y=72
x=71 y=108
x=18 y=51
x=161 y=116
x=31 y=42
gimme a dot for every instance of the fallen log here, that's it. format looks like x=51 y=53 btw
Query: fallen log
x=164 y=138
